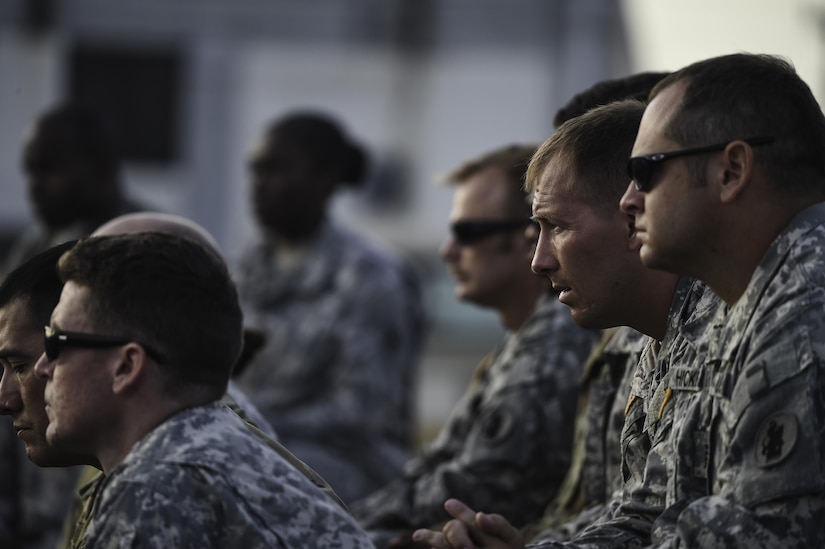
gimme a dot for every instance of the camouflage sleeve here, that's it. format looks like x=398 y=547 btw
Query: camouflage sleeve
x=141 y=516
x=768 y=477
x=629 y=518
x=490 y=471
x=239 y=403
x=181 y=504
x=174 y=509
x=375 y=344
x=510 y=458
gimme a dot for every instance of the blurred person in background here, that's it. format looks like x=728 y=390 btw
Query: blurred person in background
x=72 y=175
x=342 y=319
x=507 y=442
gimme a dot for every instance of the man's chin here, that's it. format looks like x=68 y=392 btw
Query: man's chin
x=653 y=260
x=649 y=257
x=466 y=295
x=39 y=456
x=50 y=457
x=591 y=319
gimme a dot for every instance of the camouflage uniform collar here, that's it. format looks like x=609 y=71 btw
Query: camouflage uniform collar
x=617 y=343
x=697 y=311
x=534 y=330
x=679 y=308
x=731 y=323
x=802 y=224
x=149 y=442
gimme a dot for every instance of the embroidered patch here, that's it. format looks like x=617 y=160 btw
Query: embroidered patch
x=776 y=439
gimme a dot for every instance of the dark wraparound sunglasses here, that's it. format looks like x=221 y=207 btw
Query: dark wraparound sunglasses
x=641 y=169
x=469 y=232
x=53 y=340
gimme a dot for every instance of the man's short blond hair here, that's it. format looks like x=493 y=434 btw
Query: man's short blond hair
x=512 y=160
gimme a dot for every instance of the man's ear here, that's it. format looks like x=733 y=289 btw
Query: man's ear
x=131 y=365
x=735 y=173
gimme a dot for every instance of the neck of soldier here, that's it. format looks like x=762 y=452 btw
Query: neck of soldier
x=747 y=231
x=648 y=312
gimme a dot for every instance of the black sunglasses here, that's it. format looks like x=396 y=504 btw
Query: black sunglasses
x=53 y=340
x=469 y=232
x=641 y=168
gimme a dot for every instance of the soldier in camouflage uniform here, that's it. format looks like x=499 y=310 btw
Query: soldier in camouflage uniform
x=595 y=474
x=740 y=426
x=511 y=432
x=343 y=320
x=181 y=468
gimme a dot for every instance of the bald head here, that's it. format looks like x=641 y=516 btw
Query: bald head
x=161 y=223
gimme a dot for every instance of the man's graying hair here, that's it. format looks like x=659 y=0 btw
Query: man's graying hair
x=594 y=148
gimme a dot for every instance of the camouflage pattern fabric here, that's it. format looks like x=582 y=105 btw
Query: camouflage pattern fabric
x=81 y=512
x=343 y=330
x=239 y=403
x=595 y=472
x=506 y=446
x=628 y=518
x=736 y=421
x=747 y=418
x=203 y=479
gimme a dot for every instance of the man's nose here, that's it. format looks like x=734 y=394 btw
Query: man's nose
x=449 y=249
x=43 y=368
x=10 y=400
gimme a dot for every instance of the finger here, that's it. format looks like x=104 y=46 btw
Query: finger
x=460 y=511
x=498 y=527
x=458 y=535
x=431 y=538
